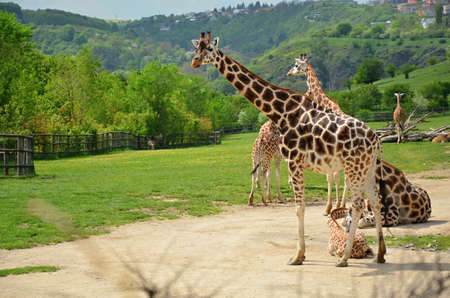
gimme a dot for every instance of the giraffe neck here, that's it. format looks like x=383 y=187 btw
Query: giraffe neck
x=398 y=101
x=271 y=100
x=319 y=96
x=313 y=82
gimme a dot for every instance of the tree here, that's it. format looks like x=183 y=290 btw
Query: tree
x=369 y=71
x=348 y=83
x=432 y=60
x=22 y=73
x=389 y=100
x=390 y=69
x=343 y=29
x=406 y=69
x=437 y=94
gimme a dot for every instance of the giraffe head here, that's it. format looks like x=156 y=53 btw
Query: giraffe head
x=399 y=95
x=205 y=50
x=300 y=66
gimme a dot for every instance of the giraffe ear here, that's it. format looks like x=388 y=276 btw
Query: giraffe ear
x=215 y=42
x=195 y=42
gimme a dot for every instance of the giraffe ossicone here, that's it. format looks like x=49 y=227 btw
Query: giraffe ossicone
x=312 y=138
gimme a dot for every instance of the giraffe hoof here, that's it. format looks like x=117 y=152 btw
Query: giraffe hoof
x=296 y=261
x=381 y=260
x=342 y=264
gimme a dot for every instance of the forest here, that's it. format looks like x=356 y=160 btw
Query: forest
x=67 y=73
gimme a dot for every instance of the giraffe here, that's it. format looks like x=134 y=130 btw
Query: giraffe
x=338 y=236
x=399 y=118
x=315 y=91
x=311 y=138
x=399 y=193
x=266 y=147
x=402 y=202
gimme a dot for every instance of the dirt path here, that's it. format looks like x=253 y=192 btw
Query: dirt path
x=240 y=253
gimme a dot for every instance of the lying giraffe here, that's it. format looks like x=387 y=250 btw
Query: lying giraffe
x=315 y=91
x=311 y=138
x=338 y=236
x=401 y=201
x=266 y=147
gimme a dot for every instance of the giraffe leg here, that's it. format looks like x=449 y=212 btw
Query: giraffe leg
x=299 y=190
x=344 y=193
x=376 y=209
x=263 y=186
x=268 y=180
x=255 y=175
x=357 y=205
x=277 y=176
x=398 y=134
x=337 y=180
x=330 y=190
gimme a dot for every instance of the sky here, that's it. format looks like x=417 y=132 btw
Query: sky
x=131 y=9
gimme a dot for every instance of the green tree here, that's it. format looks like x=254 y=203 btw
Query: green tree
x=390 y=69
x=389 y=101
x=343 y=29
x=22 y=75
x=406 y=69
x=437 y=94
x=432 y=60
x=369 y=71
x=68 y=33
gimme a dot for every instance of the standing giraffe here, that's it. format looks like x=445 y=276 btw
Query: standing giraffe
x=399 y=118
x=315 y=91
x=401 y=201
x=311 y=138
x=266 y=147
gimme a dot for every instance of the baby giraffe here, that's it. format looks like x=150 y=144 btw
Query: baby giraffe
x=338 y=236
x=399 y=118
x=264 y=149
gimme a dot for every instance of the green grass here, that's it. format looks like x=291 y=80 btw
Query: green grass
x=96 y=192
x=430 y=123
x=28 y=269
x=435 y=242
x=419 y=77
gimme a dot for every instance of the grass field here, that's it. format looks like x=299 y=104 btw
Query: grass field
x=97 y=192
x=420 y=77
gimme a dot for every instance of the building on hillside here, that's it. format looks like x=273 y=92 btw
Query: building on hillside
x=407 y=8
x=426 y=22
x=446 y=10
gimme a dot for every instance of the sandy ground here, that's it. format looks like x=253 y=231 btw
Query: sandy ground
x=239 y=253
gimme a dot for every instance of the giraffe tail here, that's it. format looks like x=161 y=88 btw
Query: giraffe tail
x=254 y=170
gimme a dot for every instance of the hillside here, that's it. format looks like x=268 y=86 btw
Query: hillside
x=419 y=77
x=266 y=38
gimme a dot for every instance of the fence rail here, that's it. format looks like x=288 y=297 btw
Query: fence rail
x=16 y=155
x=18 y=151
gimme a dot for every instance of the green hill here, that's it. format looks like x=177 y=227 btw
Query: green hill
x=420 y=77
x=264 y=38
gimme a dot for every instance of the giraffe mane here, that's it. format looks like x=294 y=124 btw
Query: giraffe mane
x=255 y=76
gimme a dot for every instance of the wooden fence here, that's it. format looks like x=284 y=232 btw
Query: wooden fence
x=16 y=155
x=17 y=151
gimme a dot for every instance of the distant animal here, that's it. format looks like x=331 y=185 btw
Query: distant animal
x=338 y=237
x=153 y=141
x=399 y=118
x=266 y=147
x=443 y=138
